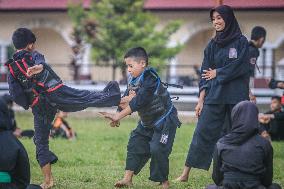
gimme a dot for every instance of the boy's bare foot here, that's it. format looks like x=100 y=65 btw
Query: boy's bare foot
x=123 y=184
x=46 y=185
x=48 y=179
x=184 y=175
x=126 y=181
x=165 y=185
x=181 y=179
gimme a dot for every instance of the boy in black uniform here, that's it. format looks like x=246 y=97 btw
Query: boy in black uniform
x=154 y=136
x=258 y=35
x=32 y=83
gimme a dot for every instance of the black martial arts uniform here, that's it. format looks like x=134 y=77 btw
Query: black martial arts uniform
x=243 y=159
x=228 y=54
x=14 y=161
x=275 y=127
x=154 y=136
x=46 y=94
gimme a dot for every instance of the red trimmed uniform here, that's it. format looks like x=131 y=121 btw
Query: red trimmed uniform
x=45 y=93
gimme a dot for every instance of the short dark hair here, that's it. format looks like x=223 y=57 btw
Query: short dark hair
x=138 y=53
x=22 y=37
x=258 y=32
x=276 y=98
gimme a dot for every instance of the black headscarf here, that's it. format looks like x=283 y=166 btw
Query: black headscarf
x=244 y=124
x=231 y=31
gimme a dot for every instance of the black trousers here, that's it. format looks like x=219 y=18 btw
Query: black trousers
x=213 y=122
x=144 y=143
x=44 y=115
x=69 y=100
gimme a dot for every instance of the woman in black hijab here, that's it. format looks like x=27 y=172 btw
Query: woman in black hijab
x=224 y=83
x=243 y=159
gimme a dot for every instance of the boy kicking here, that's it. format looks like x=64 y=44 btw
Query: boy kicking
x=32 y=83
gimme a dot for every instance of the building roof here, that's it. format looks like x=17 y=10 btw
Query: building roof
x=38 y=4
x=207 y=4
x=17 y=5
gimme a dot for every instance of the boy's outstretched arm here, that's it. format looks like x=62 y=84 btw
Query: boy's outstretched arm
x=115 y=118
x=126 y=99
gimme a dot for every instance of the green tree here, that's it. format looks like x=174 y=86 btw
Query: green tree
x=113 y=26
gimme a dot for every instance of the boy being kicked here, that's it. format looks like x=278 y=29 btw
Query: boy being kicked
x=154 y=136
x=32 y=83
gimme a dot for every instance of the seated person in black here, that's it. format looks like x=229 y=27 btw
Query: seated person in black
x=272 y=122
x=243 y=159
x=18 y=132
x=14 y=161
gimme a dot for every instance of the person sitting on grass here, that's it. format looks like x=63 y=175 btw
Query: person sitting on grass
x=272 y=122
x=243 y=159
x=14 y=160
x=61 y=128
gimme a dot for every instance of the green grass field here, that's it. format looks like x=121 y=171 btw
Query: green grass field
x=96 y=159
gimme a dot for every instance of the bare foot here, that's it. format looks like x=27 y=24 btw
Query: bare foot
x=123 y=184
x=182 y=178
x=46 y=185
x=165 y=184
x=184 y=175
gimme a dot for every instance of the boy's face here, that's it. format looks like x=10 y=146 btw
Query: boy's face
x=134 y=66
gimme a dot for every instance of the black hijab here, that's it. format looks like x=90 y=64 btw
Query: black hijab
x=244 y=124
x=231 y=31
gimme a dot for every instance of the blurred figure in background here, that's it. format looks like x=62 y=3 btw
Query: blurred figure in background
x=61 y=128
x=258 y=35
x=272 y=122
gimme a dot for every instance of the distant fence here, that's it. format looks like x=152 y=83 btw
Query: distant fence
x=182 y=74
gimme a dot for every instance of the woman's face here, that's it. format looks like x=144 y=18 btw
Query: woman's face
x=218 y=22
